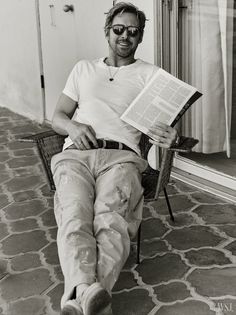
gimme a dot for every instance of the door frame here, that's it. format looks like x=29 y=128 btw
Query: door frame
x=40 y=57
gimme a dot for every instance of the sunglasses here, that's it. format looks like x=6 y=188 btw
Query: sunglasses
x=119 y=29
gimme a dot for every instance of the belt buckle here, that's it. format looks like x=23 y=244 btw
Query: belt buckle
x=120 y=146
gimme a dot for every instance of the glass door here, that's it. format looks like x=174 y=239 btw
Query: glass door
x=201 y=50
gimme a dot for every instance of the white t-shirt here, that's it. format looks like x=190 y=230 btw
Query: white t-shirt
x=101 y=102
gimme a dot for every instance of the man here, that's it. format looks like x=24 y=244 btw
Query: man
x=98 y=200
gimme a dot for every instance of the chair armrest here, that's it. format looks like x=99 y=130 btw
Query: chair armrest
x=39 y=136
x=185 y=144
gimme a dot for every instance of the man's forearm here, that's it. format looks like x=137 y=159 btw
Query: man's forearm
x=63 y=114
x=60 y=123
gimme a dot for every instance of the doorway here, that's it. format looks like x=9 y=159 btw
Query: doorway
x=213 y=18
x=202 y=49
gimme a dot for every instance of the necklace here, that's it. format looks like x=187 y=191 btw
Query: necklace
x=112 y=76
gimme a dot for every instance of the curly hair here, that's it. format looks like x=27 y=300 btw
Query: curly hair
x=120 y=8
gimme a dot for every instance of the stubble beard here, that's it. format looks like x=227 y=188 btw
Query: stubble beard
x=117 y=52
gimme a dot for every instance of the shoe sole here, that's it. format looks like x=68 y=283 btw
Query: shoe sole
x=70 y=310
x=95 y=300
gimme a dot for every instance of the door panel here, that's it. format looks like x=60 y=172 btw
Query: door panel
x=67 y=37
x=58 y=49
x=89 y=28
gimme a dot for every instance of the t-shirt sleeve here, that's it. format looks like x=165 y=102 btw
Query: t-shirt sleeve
x=72 y=84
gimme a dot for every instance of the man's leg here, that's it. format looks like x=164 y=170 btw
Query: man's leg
x=118 y=212
x=74 y=200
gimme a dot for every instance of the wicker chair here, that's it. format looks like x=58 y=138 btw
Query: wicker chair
x=50 y=143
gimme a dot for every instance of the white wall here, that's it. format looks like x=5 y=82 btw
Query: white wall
x=20 y=88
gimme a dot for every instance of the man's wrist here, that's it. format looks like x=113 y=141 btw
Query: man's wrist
x=68 y=126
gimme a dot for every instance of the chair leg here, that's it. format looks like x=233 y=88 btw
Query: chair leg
x=168 y=205
x=138 y=244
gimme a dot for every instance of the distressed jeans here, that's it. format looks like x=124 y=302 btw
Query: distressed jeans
x=98 y=208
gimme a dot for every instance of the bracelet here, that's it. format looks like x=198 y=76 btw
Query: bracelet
x=177 y=140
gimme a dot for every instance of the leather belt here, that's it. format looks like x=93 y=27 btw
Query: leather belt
x=107 y=144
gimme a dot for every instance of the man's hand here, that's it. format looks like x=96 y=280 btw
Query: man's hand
x=162 y=135
x=83 y=136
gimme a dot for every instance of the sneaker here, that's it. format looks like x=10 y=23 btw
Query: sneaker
x=96 y=300
x=72 y=307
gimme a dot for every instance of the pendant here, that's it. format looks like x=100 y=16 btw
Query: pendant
x=111 y=79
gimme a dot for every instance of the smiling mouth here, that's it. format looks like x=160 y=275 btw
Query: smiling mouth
x=124 y=44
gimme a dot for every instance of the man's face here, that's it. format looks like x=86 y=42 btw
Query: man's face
x=124 y=45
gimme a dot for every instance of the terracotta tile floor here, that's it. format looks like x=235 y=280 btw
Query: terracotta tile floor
x=187 y=268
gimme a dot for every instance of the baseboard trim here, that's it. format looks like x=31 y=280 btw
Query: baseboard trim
x=205 y=185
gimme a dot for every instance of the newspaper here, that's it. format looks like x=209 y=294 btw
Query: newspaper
x=165 y=98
